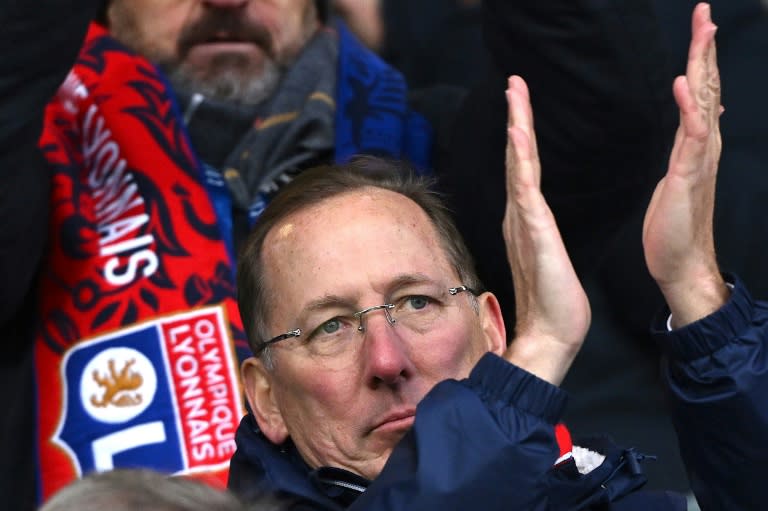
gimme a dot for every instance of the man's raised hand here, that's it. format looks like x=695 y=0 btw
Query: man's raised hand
x=552 y=309
x=677 y=232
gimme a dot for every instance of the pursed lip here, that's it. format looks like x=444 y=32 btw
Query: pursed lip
x=225 y=40
x=395 y=421
x=225 y=44
x=211 y=49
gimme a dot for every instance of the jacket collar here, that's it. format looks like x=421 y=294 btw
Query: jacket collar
x=259 y=466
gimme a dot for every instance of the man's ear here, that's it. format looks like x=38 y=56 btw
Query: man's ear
x=492 y=323
x=258 y=383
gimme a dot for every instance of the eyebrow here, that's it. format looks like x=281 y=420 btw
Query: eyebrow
x=410 y=279
x=321 y=304
x=327 y=302
x=330 y=301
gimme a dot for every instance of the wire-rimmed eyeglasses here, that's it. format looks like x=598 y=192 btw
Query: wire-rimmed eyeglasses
x=416 y=312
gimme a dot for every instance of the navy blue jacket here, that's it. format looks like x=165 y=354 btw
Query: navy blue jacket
x=716 y=375
x=488 y=442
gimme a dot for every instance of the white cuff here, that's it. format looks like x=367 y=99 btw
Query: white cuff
x=669 y=319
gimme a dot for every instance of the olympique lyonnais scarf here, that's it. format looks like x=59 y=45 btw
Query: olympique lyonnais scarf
x=135 y=358
x=137 y=354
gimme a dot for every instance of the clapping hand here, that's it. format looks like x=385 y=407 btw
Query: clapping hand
x=552 y=309
x=677 y=232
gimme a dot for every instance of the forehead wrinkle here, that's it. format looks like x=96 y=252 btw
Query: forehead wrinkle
x=287 y=238
x=408 y=279
x=331 y=301
x=328 y=301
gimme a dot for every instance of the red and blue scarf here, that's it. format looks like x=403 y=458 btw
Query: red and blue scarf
x=137 y=352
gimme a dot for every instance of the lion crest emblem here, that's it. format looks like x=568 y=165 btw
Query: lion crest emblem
x=120 y=387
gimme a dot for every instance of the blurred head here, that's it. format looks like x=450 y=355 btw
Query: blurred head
x=334 y=242
x=146 y=490
x=235 y=50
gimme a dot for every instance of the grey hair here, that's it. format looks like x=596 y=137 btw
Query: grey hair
x=228 y=82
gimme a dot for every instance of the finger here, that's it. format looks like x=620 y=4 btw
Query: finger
x=522 y=106
x=524 y=171
x=694 y=138
x=515 y=151
x=512 y=158
x=521 y=116
x=700 y=24
x=520 y=85
x=693 y=123
x=713 y=81
x=526 y=207
x=522 y=165
x=518 y=164
x=701 y=71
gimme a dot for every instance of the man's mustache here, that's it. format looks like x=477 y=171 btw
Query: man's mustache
x=224 y=25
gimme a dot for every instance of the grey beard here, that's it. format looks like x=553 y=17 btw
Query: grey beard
x=229 y=83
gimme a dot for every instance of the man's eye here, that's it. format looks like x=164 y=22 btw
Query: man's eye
x=328 y=329
x=331 y=326
x=417 y=302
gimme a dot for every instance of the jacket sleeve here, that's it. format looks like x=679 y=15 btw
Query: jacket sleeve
x=38 y=44
x=492 y=434
x=716 y=370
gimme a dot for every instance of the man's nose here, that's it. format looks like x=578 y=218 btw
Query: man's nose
x=387 y=357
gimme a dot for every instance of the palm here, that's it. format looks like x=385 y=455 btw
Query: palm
x=552 y=309
x=677 y=232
